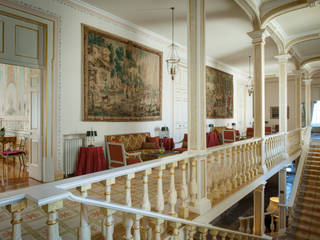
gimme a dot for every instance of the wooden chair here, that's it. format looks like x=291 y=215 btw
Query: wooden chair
x=14 y=150
x=118 y=157
x=267 y=130
x=250 y=132
x=228 y=136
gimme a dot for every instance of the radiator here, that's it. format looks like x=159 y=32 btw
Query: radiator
x=71 y=146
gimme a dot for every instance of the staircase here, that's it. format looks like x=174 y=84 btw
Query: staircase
x=305 y=222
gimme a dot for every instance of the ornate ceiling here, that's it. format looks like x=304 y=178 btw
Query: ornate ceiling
x=293 y=26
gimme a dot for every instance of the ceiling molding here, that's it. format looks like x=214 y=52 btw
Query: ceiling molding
x=302 y=38
x=251 y=9
x=277 y=36
x=279 y=8
x=309 y=60
x=315 y=72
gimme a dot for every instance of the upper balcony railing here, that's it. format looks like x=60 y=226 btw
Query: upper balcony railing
x=199 y=178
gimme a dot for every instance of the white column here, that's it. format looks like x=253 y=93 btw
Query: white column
x=283 y=88
x=258 y=201
x=197 y=96
x=282 y=200
x=298 y=97
x=307 y=83
x=196 y=75
x=258 y=42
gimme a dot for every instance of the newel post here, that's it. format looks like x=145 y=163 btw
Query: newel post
x=53 y=227
x=16 y=209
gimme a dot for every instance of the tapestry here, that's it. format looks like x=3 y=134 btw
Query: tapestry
x=219 y=94
x=122 y=80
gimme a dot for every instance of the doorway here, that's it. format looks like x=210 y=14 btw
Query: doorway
x=20 y=111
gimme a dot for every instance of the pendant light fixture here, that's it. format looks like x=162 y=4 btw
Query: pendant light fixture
x=173 y=58
x=250 y=80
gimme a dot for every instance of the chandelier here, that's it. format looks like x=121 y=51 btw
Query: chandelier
x=250 y=80
x=173 y=58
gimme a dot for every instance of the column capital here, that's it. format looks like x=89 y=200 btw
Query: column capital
x=260 y=188
x=298 y=72
x=257 y=36
x=307 y=81
x=283 y=58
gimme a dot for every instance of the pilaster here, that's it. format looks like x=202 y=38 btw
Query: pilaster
x=282 y=200
x=298 y=97
x=258 y=41
x=307 y=83
x=258 y=215
x=283 y=88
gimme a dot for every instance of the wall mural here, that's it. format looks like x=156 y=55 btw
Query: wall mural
x=219 y=94
x=122 y=79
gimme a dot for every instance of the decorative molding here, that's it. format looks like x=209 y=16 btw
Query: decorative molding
x=283 y=58
x=257 y=36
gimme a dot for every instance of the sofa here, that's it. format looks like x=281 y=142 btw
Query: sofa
x=134 y=142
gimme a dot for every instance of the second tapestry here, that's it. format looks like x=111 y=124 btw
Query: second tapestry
x=219 y=94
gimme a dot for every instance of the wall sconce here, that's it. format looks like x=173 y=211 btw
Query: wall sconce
x=90 y=138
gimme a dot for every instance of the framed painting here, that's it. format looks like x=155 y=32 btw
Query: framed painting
x=122 y=80
x=274 y=112
x=219 y=92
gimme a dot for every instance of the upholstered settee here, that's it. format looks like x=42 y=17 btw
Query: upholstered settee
x=134 y=142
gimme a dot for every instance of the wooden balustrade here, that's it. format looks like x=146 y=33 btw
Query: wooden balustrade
x=229 y=168
x=275 y=149
x=246 y=224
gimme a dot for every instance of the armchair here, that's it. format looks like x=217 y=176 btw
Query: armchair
x=118 y=157
x=228 y=136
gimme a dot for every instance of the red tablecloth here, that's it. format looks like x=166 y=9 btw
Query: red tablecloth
x=167 y=143
x=90 y=159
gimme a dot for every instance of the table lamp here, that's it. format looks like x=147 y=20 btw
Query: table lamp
x=164 y=132
x=273 y=205
x=90 y=135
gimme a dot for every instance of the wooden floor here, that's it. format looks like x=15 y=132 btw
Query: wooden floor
x=17 y=177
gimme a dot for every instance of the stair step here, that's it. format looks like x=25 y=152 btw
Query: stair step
x=313 y=188
x=308 y=229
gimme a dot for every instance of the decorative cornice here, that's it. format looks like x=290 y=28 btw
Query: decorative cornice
x=307 y=81
x=283 y=58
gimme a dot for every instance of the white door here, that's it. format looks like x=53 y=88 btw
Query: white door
x=35 y=163
x=181 y=104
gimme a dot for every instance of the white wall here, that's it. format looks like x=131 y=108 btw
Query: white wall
x=72 y=15
x=272 y=100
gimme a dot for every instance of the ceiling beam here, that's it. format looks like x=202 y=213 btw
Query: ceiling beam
x=302 y=38
x=250 y=8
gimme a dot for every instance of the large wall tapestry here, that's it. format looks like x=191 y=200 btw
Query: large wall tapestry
x=122 y=79
x=219 y=94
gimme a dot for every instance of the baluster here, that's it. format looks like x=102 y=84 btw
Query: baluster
x=203 y=232
x=248 y=229
x=244 y=163
x=214 y=233
x=190 y=232
x=137 y=227
x=127 y=218
x=215 y=191
x=209 y=173
x=272 y=224
x=84 y=230
x=234 y=168
x=145 y=205
x=16 y=209
x=231 y=236
x=184 y=210
x=193 y=183
x=172 y=190
x=239 y=166
x=223 y=235
x=251 y=153
x=175 y=230
x=228 y=171
x=223 y=187
x=241 y=225
x=107 y=224
x=160 y=198
x=53 y=226
x=157 y=231
x=248 y=161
